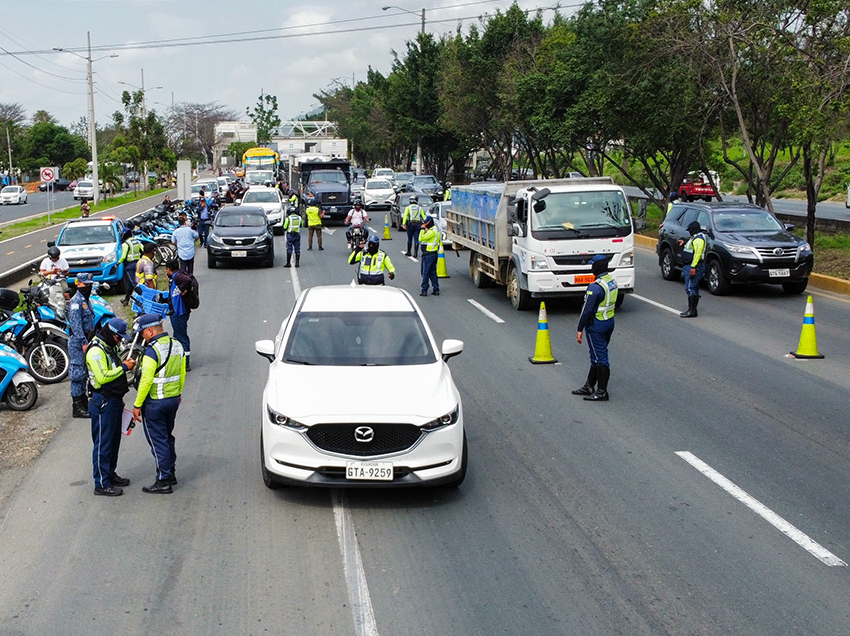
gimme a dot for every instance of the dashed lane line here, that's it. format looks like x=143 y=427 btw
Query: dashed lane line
x=655 y=304
x=485 y=311
x=798 y=536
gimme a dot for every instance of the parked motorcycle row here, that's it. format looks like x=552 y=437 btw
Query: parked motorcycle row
x=34 y=339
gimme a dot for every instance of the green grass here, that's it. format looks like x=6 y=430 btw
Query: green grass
x=59 y=218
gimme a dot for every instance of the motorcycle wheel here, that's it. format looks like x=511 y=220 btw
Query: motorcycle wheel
x=51 y=365
x=22 y=397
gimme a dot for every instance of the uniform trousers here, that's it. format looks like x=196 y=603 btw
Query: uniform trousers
x=429 y=270
x=293 y=242
x=413 y=237
x=105 y=413
x=158 y=419
x=78 y=373
x=692 y=282
x=314 y=229
x=598 y=336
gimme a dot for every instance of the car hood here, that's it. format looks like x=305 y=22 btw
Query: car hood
x=71 y=252
x=761 y=239
x=313 y=394
x=274 y=208
x=239 y=232
x=380 y=193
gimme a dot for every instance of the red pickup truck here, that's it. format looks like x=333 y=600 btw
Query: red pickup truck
x=695 y=187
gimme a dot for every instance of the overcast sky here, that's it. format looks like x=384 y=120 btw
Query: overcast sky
x=300 y=60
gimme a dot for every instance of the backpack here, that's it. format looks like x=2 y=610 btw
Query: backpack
x=192 y=298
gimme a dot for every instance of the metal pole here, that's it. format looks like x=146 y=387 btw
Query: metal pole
x=92 y=128
x=419 y=141
x=9 y=147
x=144 y=128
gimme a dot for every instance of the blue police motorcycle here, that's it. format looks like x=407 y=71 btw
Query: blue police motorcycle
x=17 y=387
x=35 y=333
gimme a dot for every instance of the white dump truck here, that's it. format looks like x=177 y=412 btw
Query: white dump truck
x=537 y=237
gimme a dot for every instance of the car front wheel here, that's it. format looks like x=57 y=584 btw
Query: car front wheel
x=668 y=265
x=718 y=284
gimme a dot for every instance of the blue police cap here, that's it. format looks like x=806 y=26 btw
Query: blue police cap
x=84 y=278
x=147 y=320
x=118 y=327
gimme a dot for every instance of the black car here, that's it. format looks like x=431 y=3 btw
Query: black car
x=745 y=244
x=240 y=233
x=56 y=185
x=402 y=201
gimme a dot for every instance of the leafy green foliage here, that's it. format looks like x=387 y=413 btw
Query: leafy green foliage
x=265 y=117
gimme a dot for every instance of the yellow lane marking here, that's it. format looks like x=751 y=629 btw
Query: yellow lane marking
x=27 y=246
x=43 y=241
x=10 y=253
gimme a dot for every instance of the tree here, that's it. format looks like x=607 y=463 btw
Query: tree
x=191 y=128
x=75 y=169
x=47 y=144
x=237 y=148
x=111 y=174
x=265 y=118
x=142 y=136
x=42 y=116
x=13 y=113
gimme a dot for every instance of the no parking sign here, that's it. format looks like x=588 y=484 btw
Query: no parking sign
x=49 y=174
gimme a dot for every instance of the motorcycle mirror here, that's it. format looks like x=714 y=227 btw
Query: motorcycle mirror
x=51 y=243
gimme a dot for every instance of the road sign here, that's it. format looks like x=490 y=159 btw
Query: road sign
x=49 y=174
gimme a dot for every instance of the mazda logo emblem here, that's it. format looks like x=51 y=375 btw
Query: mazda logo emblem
x=364 y=434
x=777 y=251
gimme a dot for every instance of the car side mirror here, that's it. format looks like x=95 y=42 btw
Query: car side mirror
x=237 y=202
x=789 y=226
x=451 y=348
x=265 y=348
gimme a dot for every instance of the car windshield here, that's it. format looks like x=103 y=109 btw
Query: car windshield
x=385 y=172
x=10 y=189
x=421 y=199
x=746 y=221
x=426 y=180
x=83 y=184
x=378 y=184
x=329 y=176
x=247 y=219
x=352 y=339
x=582 y=211
x=260 y=197
x=198 y=188
x=87 y=235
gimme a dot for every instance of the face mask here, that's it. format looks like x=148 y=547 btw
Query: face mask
x=373 y=248
x=85 y=291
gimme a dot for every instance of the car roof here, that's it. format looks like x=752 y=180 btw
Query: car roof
x=362 y=298
x=88 y=221
x=720 y=205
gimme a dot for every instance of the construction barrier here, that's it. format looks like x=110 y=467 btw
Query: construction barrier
x=543 y=347
x=808 y=346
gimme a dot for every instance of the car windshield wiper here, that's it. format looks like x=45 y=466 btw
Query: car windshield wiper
x=294 y=361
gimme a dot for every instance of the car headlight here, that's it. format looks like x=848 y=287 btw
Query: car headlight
x=282 y=420
x=539 y=263
x=212 y=238
x=110 y=258
x=740 y=249
x=627 y=259
x=445 y=420
x=805 y=247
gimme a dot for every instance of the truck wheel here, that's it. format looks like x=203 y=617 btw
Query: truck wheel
x=668 y=265
x=619 y=302
x=520 y=298
x=479 y=278
x=718 y=284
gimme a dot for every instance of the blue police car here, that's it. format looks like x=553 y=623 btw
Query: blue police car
x=94 y=246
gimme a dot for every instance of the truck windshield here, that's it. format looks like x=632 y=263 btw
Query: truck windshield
x=330 y=176
x=582 y=211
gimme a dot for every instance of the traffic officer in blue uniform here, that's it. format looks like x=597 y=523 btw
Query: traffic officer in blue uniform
x=597 y=321
x=108 y=382
x=429 y=241
x=693 y=274
x=163 y=372
x=292 y=229
x=373 y=262
x=81 y=321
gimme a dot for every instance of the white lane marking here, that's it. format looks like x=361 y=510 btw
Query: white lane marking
x=415 y=260
x=800 y=537
x=655 y=304
x=355 y=575
x=296 y=282
x=328 y=232
x=485 y=311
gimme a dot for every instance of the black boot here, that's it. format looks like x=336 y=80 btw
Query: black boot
x=80 y=407
x=696 y=302
x=288 y=259
x=692 y=311
x=589 y=384
x=601 y=395
x=298 y=260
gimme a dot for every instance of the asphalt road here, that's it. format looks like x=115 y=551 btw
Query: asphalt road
x=37 y=203
x=575 y=518
x=797 y=207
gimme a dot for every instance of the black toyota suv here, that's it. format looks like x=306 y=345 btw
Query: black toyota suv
x=746 y=244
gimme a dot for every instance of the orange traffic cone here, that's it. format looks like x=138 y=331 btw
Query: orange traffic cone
x=543 y=347
x=808 y=347
x=387 y=236
x=441 y=263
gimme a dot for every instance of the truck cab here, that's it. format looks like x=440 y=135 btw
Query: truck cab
x=93 y=245
x=327 y=184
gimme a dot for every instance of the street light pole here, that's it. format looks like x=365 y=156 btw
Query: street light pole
x=92 y=126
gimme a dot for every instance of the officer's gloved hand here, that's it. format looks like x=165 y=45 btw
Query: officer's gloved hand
x=392 y=276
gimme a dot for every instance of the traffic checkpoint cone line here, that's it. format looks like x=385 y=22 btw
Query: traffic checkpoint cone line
x=387 y=235
x=808 y=346
x=543 y=346
x=441 y=263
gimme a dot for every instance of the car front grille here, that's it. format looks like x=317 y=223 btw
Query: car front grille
x=333 y=198
x=85 y=263
x=238 y=242
x=771 y=252
x=386 y=438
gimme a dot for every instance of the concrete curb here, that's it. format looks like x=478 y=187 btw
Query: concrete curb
x=820 y=281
